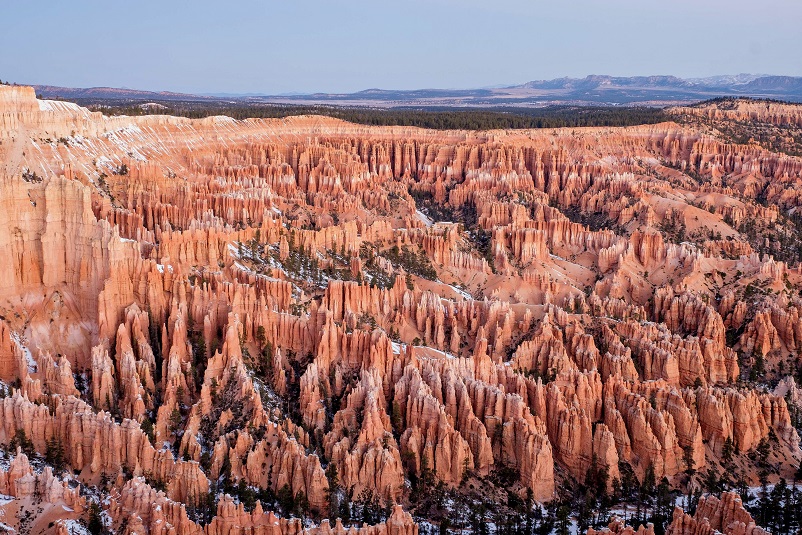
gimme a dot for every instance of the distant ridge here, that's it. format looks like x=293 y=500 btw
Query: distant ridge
x=596 y=81
x=114 y=93
x=596 y=90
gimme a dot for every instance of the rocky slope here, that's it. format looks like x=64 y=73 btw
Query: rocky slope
x=725 y=515
x=206 y=320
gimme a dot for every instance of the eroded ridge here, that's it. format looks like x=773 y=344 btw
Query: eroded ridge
x=325 y=320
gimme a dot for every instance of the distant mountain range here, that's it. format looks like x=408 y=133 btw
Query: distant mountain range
x=114 y=93
x=591 y=90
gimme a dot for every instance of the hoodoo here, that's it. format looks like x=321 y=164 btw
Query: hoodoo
x=275 y=326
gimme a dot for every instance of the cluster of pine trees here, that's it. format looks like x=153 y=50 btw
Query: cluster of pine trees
x=434 y=118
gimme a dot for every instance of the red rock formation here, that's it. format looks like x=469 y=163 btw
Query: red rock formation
x=140 y=508
x=745 y=110
x=264 y=298
x=617 y=527
x=724 y=515
x=20 y=481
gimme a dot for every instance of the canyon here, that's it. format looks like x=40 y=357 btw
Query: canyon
x=277 y=326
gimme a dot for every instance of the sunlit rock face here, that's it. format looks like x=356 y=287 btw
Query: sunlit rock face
x=724 y=514
x=325 y=311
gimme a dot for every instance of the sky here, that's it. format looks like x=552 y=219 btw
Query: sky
x=304 y=46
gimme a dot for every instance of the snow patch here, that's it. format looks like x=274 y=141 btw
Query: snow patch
x=443 y=353
x=32 y=367
x=426 y=221
x=75 y=528
x=53 y=105
x=463 y=293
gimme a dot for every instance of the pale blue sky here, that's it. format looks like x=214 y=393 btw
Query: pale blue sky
x=241 y=46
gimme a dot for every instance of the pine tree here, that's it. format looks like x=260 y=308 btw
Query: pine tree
x=95 y=522
x=687 y=459
x=286 y=499
x=727 y=450
x=147 y=427
x=426 y=479
x=301 y=504
x=333 y=491
x=583 y=516
x=22 y=441
x=54 y=454
x=345 y=510
x=445 y=523
x=563 y=511
x=777 y=498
